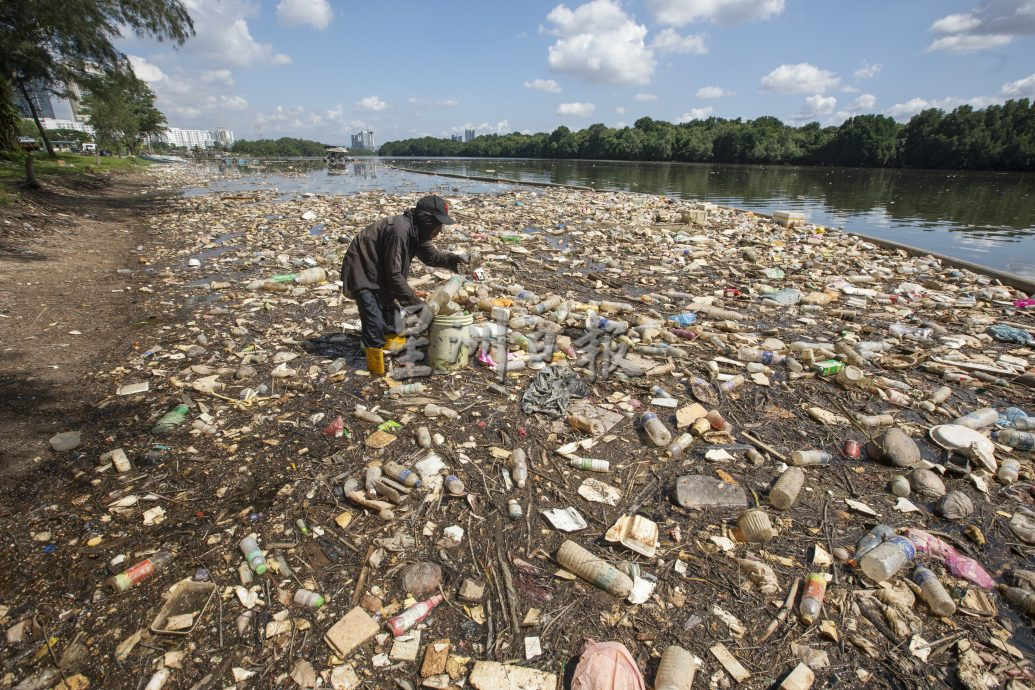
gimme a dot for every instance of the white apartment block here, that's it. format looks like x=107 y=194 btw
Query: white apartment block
x=188 y=138
x=52 y=123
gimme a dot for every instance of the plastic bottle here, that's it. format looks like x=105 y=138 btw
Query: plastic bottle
x=406 y=390
x=423 y=437
x=170 y=420
x=733 y=384
x=311 y=276
x=655 y=430
x=1020 y=598
x=308 y=599
x=978 y=419
x=413 y=615
x=751 y=354
x=401 y=474
x=1009 y=470
x=755 y=525
x=810 y=458
x=717 y=421
x=519 y=468
x=431 y=410
x=368 y=416
x=593 y=427
x=514 y=511
x=132 y=575
x=884 y=560
x=1018 y=440
x=812 y=598
x=940 y=395
x=596 y=571
x=158 y=680
x=253 y=554
x=454 y=485
x=548 y=305
x=934 y=593
x=444 y=295
x=785 y=491
x=370 y=479
x=676 y=670
x=871 y=421
x=590 y=465
x=678 y=446
x=659 y=392
x=871 y=540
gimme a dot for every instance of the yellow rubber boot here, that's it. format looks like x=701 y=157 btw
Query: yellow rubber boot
x=394 y=342
x=375 y=361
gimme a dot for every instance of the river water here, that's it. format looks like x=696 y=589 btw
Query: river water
x=985 y=218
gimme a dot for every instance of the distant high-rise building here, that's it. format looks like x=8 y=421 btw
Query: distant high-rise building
x=363 y=140
x=40 y=98
x=457 y=137
x=468 y=134
x=223 y=137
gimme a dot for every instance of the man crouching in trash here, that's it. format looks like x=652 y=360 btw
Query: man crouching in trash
x=376 y=267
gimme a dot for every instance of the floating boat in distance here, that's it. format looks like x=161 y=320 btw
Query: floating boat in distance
x=337 y=158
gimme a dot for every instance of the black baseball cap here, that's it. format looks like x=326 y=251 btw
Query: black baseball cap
x=436 y=206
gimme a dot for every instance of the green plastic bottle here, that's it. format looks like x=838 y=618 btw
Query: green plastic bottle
x=170 y=420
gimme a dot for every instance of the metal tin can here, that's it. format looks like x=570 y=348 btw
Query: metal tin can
x=851 y=449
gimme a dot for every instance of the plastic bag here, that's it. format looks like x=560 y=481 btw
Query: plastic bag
x=607 y=666
x=959 y=565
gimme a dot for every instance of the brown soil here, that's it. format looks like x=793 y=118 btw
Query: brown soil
x=60 y=250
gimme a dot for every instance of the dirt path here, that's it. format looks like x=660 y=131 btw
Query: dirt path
x=66 y=311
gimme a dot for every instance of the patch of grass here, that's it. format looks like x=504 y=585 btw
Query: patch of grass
x=12 y=168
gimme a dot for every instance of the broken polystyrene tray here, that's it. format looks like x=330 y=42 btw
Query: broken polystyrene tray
x=186 y=596
x=964 y=439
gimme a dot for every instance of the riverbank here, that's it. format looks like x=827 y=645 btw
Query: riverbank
x=275 y=388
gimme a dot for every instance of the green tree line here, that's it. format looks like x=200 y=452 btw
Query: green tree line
x=284 y=147
x=999 y=137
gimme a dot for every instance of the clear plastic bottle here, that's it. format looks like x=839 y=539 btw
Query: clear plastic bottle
x=934 y=593
x=1009 y=470
x=405 y=390
x=871 y=540
x=875 y=420
x=454 y=485
x=882 y=562
x=1018 y=440
x=596 y=571
x=547 y=305
x=717 y=421
x=413 y=615
x=311 y=276
x=1020 y=598
x=676 y=670
x=678 y=446
x=253 y=554
x=514 y=511
x=659 y=392
x=590 y=465
x=444 y=294
x=593 y=427
x=979 y=419
x=423 y=437
x=368 y=416
x=519 y=468
x=732 y=384
x=170 y=420
x=431 y=410
x=132 y=575
x=810 y=458
x=401 y=474
x=785 y=491
x=812 y=598
x=308 y=599
x=751 y=354
x=655 y=430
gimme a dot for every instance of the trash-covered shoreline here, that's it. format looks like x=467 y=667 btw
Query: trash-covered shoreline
x=709 y=414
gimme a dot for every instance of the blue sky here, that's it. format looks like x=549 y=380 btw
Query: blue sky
x=323 y=69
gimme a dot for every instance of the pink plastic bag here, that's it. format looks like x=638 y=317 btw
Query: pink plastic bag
x=607 y=666
x=958 y=564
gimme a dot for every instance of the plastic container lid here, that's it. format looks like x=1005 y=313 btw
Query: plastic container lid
x=961 y=438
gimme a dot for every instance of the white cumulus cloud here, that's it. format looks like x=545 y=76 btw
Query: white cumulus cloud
x=866 y=71
x=1022 y=88
x=820 y=105
x=713 y=92
x=547 y=85
x=576 y=109
x=800 y=78
x=222 y=34
x=725 y=12
x=371 y=103
x=146 y=70
x=620 y=110
x=695 y=114
x=644 y=97
x=988 y=25
x=598 y=41
x=315 y=12
x=671 y=41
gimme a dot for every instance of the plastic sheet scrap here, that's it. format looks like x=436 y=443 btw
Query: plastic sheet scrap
x=551 y=391
x=1009 y=334
x=959 y=565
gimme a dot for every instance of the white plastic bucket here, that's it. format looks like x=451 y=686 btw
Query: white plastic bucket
x=449 y=345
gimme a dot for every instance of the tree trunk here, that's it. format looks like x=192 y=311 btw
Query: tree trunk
x=30 y=172
x=8 y=117
x=36 y=117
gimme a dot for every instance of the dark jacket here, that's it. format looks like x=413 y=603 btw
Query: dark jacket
x=379 y=257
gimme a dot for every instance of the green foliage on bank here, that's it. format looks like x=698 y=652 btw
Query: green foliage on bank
x=287 y=147
x=63 y=165
x=1000 y=137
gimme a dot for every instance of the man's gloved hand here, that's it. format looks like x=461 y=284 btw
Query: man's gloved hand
x=469 y=261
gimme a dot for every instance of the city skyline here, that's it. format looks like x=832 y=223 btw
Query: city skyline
x=274 y=68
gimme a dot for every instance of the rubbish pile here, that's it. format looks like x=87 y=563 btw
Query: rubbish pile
x=659 y=439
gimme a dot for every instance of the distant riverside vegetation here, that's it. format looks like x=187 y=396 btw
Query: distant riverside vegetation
x=999 y=137
x=283 y=147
